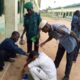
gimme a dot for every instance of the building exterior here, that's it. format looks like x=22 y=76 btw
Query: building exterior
x=11 y=15
x=65 y=12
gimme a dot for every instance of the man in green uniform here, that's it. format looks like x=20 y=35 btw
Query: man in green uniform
x=31 y=27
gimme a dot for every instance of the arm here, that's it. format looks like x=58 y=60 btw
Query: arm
x=24 y=25
x=30 y=63
x=43 y=43
x=71 y=33
x=23 y=33
x=74 y=23
x=74 y=26
x=38 y=22
x=74 y=35
x=27 y=62
x=16 y=49
x=64 y=30
x=34 y=63
x=19 y=50
x=39 y=19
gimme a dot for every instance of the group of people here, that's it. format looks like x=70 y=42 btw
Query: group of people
x=41 y=66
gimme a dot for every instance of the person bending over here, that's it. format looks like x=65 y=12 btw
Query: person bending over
x=41 y=66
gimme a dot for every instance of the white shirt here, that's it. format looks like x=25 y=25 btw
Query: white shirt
x=45 y=63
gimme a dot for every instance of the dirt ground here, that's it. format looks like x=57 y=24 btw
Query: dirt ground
x=50 y=49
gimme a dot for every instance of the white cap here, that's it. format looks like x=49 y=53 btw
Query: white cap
x=42 y=23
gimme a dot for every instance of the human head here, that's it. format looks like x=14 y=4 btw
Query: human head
x=15 y=36
x=77 y=12
x=44 y=26
x=33 y=55
x=29 y=7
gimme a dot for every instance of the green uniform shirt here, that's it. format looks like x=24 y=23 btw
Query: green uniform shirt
x=31 y=24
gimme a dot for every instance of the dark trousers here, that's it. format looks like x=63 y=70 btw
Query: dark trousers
x=1 y=58
x=29 y=45
x=69 y=59
x=76 y=52
x=5 y=56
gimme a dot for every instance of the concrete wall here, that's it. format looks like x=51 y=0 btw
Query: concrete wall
x=11 y=7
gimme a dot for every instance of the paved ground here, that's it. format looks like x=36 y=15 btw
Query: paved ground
x=51 y=47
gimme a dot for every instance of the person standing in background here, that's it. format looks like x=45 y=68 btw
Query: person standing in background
x=75 y=26
x=31 y=27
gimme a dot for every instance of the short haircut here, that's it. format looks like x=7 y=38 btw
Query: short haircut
x=15 y=33
x=76 y=12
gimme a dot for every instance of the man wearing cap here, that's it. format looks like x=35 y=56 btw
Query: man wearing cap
x=31 y=27
x=67 y=42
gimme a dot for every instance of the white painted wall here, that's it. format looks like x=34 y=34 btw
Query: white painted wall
x=11 y=7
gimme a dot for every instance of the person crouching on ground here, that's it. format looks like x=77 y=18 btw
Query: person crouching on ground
x=67 y=42
x=41 y=66
x=8 y=49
